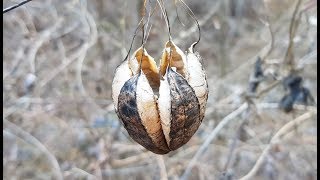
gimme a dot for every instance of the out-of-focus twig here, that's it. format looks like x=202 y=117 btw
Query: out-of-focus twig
x=210 y=137
x=130 y=160
x=232 y=148
x=264 y=56
x=62 y=66
x=128 y=170
x=15 y=6
x=43 y=37
x=289 y=57
x=32 y=140
x=267 y=89
x=275 y=139
x=202 y=21
x=162 y=167
x=89 y=20
x=83 y=172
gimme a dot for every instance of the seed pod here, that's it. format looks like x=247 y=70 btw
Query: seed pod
x=166 y=123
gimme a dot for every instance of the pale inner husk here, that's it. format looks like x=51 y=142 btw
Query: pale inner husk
x=164 y=105
x=148 y=66
x=122 y=74
x=197 y=80
x=148 y=111
x=177 y=57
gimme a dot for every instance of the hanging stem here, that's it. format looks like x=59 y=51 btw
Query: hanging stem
x=134 y=36
x=143 y=13
x=191 y=14
x=165 y=15
x=140 y=25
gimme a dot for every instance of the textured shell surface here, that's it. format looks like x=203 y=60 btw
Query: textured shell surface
x=143 y=126
x=122 y=74
x=184 y=110
x=197 y=79
x=165 y=123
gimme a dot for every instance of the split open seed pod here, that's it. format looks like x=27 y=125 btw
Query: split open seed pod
x=166 y=123
x=136 y=103
x=178 y=105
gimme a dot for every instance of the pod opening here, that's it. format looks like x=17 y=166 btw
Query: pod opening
x=148 y=66
x=173 y=57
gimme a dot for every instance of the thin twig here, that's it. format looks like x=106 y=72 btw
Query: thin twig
x=263 y=57
x=43 y=37
x=162 y=167
x=15 y=6
x=232 y=148
x=62 y=66
x=289 y=57
x=275 y=139
x=202 y=22
x=267 y=89
x=32 y=140
x=126 y=171
x=210 y=137
x=145 y=156
x=83 y=172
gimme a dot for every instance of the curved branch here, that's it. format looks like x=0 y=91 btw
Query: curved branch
x=285 y=129
x=17 y=131
x=15 y=6
x=210 y=137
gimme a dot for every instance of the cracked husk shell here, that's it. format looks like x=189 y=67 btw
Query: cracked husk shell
x=165 y=123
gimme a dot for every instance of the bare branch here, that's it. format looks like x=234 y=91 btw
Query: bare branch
x=32 y=140
x=162 y=167
x=15 y=6
x=210 y=137
x=289 y=57
x=275 y=139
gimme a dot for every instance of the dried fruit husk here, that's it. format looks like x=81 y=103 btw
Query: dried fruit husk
x=179 y=109
x=148 y=66
x=139 y=113
x=178 y=104
x=122 y=74
x=197 y=78
x=166 y=123
x=129 y=68
x=137 y=103
x=177 y=57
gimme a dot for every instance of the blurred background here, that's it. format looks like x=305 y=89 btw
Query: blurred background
x=59 y=59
